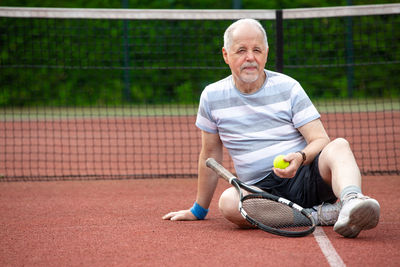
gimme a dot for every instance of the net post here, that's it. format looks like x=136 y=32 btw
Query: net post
x=349 y=54
x=279 y=41
x=237 y=4
x=127 y=80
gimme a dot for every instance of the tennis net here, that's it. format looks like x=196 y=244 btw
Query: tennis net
x=113 y=93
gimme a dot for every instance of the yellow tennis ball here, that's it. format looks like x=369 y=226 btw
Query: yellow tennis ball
x=280 y=163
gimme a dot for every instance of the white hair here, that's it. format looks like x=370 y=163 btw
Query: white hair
x=233 y=26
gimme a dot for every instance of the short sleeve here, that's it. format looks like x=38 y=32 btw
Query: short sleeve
x=204 y=120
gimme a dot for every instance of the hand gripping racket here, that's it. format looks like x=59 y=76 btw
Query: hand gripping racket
x=275 y=215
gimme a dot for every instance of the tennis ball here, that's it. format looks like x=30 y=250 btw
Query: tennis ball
x=280 y=163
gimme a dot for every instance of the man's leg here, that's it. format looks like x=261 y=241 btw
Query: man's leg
x=324 y=214
x=338 y=167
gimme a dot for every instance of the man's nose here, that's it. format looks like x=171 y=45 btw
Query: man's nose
x=250 y=56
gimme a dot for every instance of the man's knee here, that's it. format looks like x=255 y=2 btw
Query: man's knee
x=228 y=202
x=228 y=206
x=339 y=144
x=335 y=148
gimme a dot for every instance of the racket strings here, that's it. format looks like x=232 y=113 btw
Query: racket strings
x=274 y=214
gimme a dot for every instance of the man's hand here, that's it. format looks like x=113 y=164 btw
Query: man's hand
x=295 y=160
x=182 y=215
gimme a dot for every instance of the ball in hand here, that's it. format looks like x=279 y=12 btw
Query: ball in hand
x=279 y=163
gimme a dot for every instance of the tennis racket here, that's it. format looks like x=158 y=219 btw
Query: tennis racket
x=275 y=215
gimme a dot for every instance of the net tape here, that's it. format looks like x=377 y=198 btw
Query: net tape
x=196 y=14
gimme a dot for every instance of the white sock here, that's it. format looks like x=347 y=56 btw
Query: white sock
x=351 y=189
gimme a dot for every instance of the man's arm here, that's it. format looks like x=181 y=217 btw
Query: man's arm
x=207 y=179
x=316 y=138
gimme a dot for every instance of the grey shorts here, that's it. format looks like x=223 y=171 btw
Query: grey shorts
x=306 y=189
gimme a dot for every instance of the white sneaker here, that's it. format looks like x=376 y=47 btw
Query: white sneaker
x=359 y=213
x=326 y=213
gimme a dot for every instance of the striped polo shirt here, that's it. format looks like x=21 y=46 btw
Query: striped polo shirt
x=259 y=126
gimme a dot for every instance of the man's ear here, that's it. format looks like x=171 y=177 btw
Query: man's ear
x=225 y=55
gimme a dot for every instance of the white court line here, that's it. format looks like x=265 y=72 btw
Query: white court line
x=327 y=248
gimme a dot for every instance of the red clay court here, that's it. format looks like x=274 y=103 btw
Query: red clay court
x=118 y=223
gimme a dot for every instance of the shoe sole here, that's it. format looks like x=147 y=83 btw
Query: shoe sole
x=363 y=216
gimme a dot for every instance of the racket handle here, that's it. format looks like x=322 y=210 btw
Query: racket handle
x=219 y=169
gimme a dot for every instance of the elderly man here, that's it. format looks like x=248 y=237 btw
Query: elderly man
x=258 y=114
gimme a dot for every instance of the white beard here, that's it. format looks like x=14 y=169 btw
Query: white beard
x=249 y=78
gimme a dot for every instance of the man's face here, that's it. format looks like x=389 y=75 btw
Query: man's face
x=247 y=56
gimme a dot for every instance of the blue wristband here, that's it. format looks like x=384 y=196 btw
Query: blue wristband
x=199 y=211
